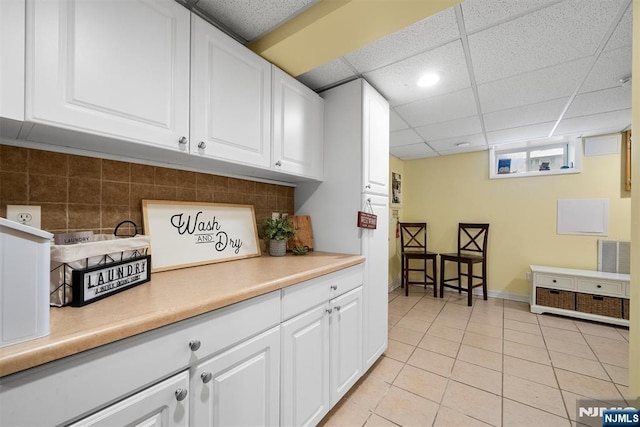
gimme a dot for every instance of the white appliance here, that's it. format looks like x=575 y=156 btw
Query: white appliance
x=356 y=177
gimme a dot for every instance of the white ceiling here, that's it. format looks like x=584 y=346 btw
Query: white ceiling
x=511 y=70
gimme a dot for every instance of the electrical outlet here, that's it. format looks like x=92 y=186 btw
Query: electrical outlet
x=27 y=215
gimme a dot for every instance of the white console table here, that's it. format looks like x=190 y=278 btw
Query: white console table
x=585 y=294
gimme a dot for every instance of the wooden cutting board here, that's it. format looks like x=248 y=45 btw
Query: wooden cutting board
x=304 y=233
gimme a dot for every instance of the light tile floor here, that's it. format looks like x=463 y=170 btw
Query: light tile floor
x=495 y=363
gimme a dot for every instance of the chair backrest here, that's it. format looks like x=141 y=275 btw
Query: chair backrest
x=413 y=236
x=472 y=238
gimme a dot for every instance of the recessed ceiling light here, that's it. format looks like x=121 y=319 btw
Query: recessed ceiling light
x=428 y=80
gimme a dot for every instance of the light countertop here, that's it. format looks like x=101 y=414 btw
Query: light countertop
x=169 y=297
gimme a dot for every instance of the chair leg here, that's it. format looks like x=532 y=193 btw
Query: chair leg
x=484 y=280
x=424 y=279
x=402 y=272
x=406 y=277
x=441 y=277
x=469 y=283
x=435 y=278
x=459 y=279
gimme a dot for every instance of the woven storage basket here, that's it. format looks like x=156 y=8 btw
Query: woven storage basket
x=625 y=309
x=598 y=304
x=555 y=298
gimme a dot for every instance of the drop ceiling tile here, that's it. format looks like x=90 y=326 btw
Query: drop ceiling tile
x=536 y=86
x=523 y=133
x=438 y=109
x=396 y=122
x=327 y=74
x=404 y=137
x=520 y=116
x=448 y=144
x=251 y=19
x=397 y=82
x=414 y=151
x=414 y=39
x=622 y=36
x=483 y=13
x=563 y=32
x=614 y=121
x=601 y=101
x=610 y=67
x=460 y=150
x=454 y=128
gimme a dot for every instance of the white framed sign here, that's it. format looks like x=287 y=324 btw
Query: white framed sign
x=185 y=234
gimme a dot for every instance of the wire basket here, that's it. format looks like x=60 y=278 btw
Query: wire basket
x=101 y=250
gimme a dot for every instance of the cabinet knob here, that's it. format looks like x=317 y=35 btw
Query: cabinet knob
x=598 y=286
x=337 y=308
x=328 y=310
x=183 y=140
x=278 y=163
x=202 y=145
x=555 y=281
x=194 y=345
x=334 y=287
x=181 y=394
x=368 y=186
x=206 y=377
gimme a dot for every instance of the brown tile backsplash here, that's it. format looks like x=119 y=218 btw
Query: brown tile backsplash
x=85 y=193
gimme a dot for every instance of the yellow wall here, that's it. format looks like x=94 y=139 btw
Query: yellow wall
x=395 y=165
x=522 y=212
x=634 y=329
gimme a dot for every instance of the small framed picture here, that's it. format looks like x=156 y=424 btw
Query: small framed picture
x=396 y=189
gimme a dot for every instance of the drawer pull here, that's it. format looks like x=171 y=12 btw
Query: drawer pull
x=337 y=308
x=553 y=291
x=328 y=310
x=334 y=287
x=194 y=345
x=181 y=394
x=555 y=281
x=598 y=286
x=206 y=377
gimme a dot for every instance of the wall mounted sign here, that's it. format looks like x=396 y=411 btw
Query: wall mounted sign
x=94 y=283
x=185 y=234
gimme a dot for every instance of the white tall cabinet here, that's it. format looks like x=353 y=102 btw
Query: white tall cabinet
x=131 y=83
x=356 y=170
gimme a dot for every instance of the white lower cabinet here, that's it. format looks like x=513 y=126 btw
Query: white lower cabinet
x=165 y=404
x=241 y=386
x=321 y=358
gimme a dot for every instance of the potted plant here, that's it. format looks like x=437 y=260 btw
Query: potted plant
x=278 y=230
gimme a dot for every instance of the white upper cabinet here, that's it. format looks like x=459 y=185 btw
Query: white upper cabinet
x=297 y=127
x=230 y=98
x=118 y=69
x=375 y=141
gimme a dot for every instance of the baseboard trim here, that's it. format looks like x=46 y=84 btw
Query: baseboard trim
x=478 y=292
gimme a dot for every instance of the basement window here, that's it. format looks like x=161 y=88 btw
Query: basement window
x=528 y=159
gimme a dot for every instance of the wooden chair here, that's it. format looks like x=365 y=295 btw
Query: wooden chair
x=413 y=239
x=472 y=246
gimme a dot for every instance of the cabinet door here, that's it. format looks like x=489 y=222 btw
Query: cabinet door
x=230 y=98
x=375 y=247
x=297 y=127
x=162 y=405
x=239 y=387
x=305 y=368
x=346 y=342
x=375 y=141
x=112 y=68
